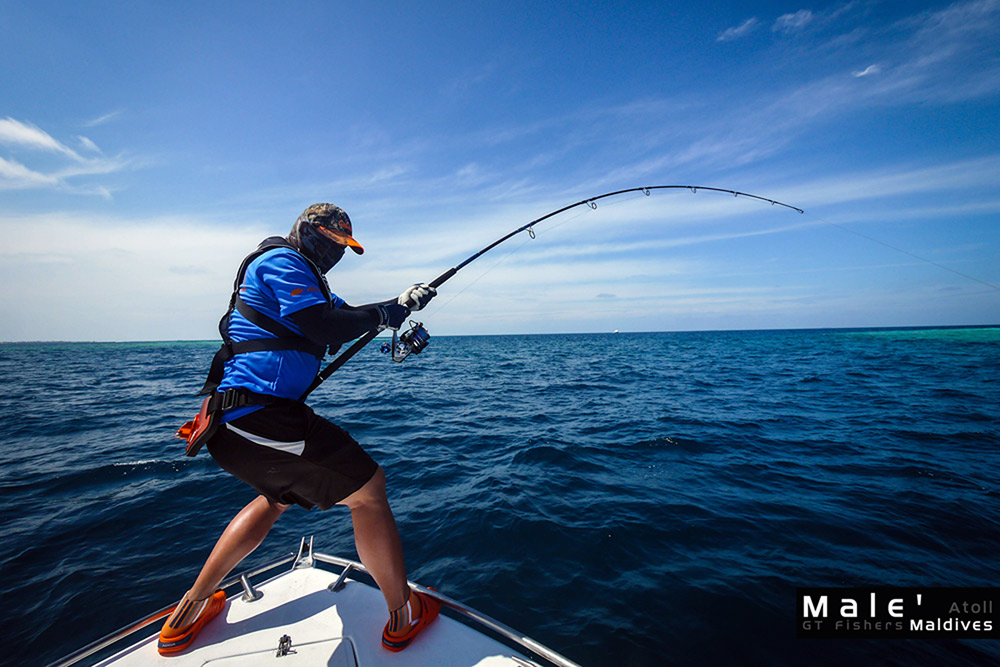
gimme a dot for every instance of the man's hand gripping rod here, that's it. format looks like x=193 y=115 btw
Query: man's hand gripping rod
x=361 y=342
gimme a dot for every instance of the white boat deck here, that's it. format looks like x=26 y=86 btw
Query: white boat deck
x=328 y=629
x=341 y=629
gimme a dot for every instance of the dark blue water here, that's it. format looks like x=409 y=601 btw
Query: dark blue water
x=633 y=499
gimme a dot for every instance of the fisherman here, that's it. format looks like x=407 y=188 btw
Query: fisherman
x=281 y=319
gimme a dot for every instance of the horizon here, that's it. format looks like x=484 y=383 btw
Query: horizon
x=387 y=335
x=138 y=167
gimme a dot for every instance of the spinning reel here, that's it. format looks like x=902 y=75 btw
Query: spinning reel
x=411 y=341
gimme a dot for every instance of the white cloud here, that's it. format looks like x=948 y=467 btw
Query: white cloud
x=959 y=19
x=102 y=192
x=89 y=145
x=72 y=277
x=15 y=175
x=871 y=69
x=789 y=23
x=898 y=181
x=933 y=58
x=67 y=276
x=741 y=30
x=17 y=133
x=949 y=56
x=101 y=120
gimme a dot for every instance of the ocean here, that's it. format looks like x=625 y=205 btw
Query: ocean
x=629 y=499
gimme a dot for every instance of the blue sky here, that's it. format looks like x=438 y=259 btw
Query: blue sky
x=145 y=149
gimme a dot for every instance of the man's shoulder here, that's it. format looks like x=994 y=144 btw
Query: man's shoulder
x=286 y=276
x=281 y=259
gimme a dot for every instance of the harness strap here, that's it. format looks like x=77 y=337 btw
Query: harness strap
x=285 y=338
x=230 y=349
x=261 y=320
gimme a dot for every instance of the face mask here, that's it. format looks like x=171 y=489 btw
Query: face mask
x=323 y=251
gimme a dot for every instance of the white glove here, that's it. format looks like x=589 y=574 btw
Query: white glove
x=417 y=297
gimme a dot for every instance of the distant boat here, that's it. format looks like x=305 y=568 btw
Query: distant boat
x=616 y=330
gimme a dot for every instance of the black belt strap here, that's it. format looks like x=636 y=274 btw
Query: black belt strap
x=239 y=398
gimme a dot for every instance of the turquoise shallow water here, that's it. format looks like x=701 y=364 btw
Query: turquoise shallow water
x=632 y=499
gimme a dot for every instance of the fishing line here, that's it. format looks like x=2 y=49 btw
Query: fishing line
x=640 y=193
x=482 y=275
x=514 y=250
x=592 y=203
x=905 y=252
x=592 y=206
x=556 y=226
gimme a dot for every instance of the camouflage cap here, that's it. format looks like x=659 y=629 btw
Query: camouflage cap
x=332 y=222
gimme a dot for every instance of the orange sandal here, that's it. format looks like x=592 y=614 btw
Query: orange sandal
x=178 y=633
x=431 y=607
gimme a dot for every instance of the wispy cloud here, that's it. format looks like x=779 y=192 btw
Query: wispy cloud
x=950 y=55
x=796 y=21
x=704 y=134
x=871 y=69
x=931 y=58
x=89 y=145
x=106 y=118
x=14 y=132
x=652 y=136
x=459 y=89
x=16 y=175
x=741 y=30
x=898 y=182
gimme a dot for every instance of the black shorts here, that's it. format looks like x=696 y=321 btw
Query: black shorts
x=291 y=455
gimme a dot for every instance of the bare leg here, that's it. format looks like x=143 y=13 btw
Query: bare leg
x=243 y=534
x=377 y=539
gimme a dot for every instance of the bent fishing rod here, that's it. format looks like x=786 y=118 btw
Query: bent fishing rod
x=417 y=337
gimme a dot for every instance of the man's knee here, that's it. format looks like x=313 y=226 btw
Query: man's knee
x=271 y=507
x=373 y=492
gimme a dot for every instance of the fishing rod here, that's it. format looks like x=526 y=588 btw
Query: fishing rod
x=416 y=339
